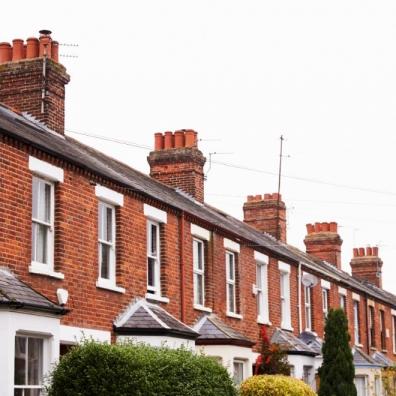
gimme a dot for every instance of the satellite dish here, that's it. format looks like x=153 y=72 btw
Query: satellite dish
x=309 y=280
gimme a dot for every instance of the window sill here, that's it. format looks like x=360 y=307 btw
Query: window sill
x=287 y=328
x=108 y=286
x=43 y=269
x=156 y=297
x=260 y=320
x=234 y=315
x=202 y=308
x=359 y=345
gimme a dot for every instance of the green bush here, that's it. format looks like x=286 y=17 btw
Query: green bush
x=117 y=370
x=275 y=385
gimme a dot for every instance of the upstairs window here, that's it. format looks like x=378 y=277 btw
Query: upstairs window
x=28 y=366
x=262 y=287
x=106 y=242
x=42 y=221
x=308 y=307
x=371 y=326
x=382 y=329
x=325 y=302
x=356 y=322
x=153 y=258
x=394 y=330
x=231 y=282
x=199 y=272
x=285 y=295
x=343 y=303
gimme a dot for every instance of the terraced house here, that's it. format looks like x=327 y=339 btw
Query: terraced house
x=91 y=247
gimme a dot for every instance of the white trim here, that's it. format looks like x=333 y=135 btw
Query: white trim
x=45 y=169
x=261 y=320
x=370 y=303
x=155 y=214
x=325 y=284
x=234 y=315
x=231 y=245
x=74 y=335
x=202 y=308
x=355 y=297
x=44 y=269
x=283 y=267
x=260 y=257
x=200 y=232
x=156 y=297
x=110 y=196
x=393 y=312
x=342 y=291
x=287 y=328
x=109 y=285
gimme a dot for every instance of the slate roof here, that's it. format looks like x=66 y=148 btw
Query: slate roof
x=312 y=340
x=16 y=294
x=380 y=358
x=212 y=331
x=292 y=344
x=23 y=128
x=361 y=359
x=144 y=318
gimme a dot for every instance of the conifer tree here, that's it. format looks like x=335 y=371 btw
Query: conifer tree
x=273 y=359
x=337 y=372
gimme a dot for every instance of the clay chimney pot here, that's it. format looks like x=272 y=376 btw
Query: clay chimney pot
x=5 y=52
x=375 y=251
x=179 y=139
x=158 y=141
x=369 y=251
x=361 y=252
x=32 y=48
x=17 y=49
x=310 y=228
x=333 y=226
x=355 y=252
x=191 y=138
x=168 y=140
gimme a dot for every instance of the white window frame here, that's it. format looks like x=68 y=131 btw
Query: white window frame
x=199 y=273
x=285 y=296
x=308 y=307
x=262 y=292
x=393 y=314
x=43 y=362
x=231 y=282
x=38 y=267
x=356 y=321
x=156 y=288
x=241 y=363
x=382 y=328
x=325 y=302
x=343 y=302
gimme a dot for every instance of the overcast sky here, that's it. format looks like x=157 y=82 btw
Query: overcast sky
x=241 y=73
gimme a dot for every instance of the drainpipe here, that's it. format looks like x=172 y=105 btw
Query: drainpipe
x=299 y=299
x=367 y=325
x=182 y=291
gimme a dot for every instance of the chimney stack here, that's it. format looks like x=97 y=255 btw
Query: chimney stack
x=32 y=80
x=366 y=265
x=177 y=162
x=322 y=241
x=266 y=213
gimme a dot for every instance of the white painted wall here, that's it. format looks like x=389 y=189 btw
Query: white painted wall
x=74 y=335
x=370 y=373
x=12 y=323
x=159 y=341
x=228 y=353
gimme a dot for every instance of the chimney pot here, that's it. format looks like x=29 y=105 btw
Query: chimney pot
x=168 y=144
x=45 y=46
x=267 y=196
x=355 y=252
x=32 y=48
x=325 y=227
x=333 y=226
x=366 y=265
x=361 y=252
x=375 y=251
x=179 y=139
x=191 y=138
x=17 y=50
x=55 y=51
x=158 y=141
x=5 y=52
x=369 y=251
x=318 y=227
x=310 y=228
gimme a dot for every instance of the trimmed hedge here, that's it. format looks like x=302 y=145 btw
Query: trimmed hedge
x=275 y=385
x=139 y=370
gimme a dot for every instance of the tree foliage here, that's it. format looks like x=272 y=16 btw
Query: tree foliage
x=337 y=372
x=93 y=369
x=272 y=359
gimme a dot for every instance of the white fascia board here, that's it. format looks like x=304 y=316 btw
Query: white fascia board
x=325 y=284
x=74 y=335
x=342 y=291
x=231 y=245
x=46 y=170
x=260 y=257
x=283 y=267
x=199 y=232
x=355 y=297
x=110 y=196
x=155 y=214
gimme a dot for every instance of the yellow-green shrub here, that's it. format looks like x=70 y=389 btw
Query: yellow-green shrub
x=274 y=385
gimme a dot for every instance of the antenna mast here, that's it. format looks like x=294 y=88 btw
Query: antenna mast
x=278 y=226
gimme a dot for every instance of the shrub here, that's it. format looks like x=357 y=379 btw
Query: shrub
x=102 y=369
x=275 y=385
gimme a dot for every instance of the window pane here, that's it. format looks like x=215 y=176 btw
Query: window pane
x=20 y=360
x=18 y=392
x=231 y=298
x=198 y=278
x=105 y=261
x=259 y=277
x=151 y=272
x=35 y=348
x=238 y=372
x=200 y=256
x=39 y=243
x=35 y=198
x=109 y=224
x=47 y=203
x=153 y=240
x=101 y=220
x=230 y=266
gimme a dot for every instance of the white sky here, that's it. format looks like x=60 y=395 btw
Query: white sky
x=241 y=73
